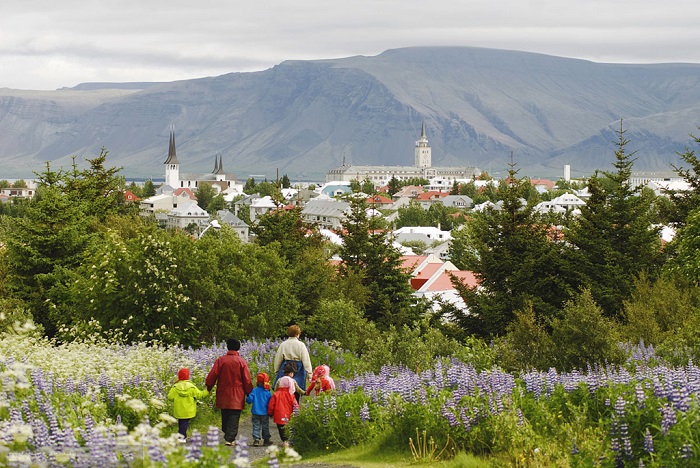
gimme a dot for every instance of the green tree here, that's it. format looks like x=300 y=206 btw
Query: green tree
x=148 y=189
x=412 y=214
x=287 y=232
x=684 y=202
x=614 y=239
x=249 y=187
x=393 y=186
x=686 y=247
x=455 y=188
x=515 y=262
x=355 y=186
x=19 y=183
x=4 y=183
x=367 y=254
x=217 y=203
x=285 y=182
x=368 y=186
x=205 y=194
x=341 y=321
x=583 y=336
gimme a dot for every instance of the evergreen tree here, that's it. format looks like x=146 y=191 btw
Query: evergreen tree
x=368 y=186
x=249 y=187
x=285 y=182
x=613 y=237
x=393 y=186
x=367 y=253
x=516 y=262
x=685 y=201
x=455 y=188
x=412 y=214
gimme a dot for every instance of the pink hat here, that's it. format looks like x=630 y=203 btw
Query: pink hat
x=183 y=374
x=287 y=382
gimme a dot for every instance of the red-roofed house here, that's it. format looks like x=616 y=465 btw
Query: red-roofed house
x=428 y=198
x=130 y=197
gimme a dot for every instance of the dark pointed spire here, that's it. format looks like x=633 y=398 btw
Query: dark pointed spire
x=172 y=157
x=422 y=130
x=216 y=165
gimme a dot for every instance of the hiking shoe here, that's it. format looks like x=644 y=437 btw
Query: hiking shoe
x=230 y=443
x=267 y=442
x=257 y=442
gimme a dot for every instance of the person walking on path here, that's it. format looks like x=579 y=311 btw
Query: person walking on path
x=282 y=406
x=260 y=398
x=231 y=376
x=292 y=350
x=183 y=394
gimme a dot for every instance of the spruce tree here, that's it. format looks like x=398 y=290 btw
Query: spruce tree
x=614 y=238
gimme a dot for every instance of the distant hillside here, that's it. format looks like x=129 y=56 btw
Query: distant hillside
x=304 y=117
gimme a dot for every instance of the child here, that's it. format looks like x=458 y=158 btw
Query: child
x=184 y=393
x=290 y=370
x=282 y=405
x=321 y=380
x=260 y=398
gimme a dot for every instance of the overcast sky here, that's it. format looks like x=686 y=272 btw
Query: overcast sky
x=49 y=44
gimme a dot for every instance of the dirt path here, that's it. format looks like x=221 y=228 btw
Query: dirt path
x=245 y=429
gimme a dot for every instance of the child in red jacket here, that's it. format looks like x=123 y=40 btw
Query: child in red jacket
x=282 y=404
x=321 y=381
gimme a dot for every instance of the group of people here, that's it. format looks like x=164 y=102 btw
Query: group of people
x=234 y=387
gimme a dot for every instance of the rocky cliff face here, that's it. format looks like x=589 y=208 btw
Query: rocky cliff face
x=304 y=117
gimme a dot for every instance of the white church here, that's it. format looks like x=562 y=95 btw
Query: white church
x=220 y=180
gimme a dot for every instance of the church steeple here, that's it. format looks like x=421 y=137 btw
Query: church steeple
x=218 y=164
x=423 y=151
x=172 y=165
x=172 y=156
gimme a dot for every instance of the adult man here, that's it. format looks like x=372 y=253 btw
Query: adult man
x=231 y=376
x=295 y=352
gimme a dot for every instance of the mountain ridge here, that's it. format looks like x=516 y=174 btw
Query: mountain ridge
x=305 y=117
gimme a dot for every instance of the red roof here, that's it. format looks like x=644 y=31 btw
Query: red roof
x=410 y=262
x=381 y=199
x=185 y=190
x=425 y=274
x=431 y=194
x=129 y=196
x=544 y=182
x=444 y=282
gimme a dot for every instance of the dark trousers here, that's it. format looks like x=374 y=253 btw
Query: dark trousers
x=229 y=423
x=182 y=425
x=283 y=431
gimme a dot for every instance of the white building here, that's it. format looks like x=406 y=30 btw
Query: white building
x=422 y=168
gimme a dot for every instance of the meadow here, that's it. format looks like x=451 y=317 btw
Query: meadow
x=96 y=403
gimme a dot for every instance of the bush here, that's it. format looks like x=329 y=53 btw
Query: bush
x=583 y=336
x=526 y=344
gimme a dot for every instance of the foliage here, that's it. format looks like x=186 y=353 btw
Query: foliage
x=342 y=322
x=613 y=238
x=684 y=202
x=367 y=255
x=515 y=261
x=526 y=345
x=686 y=250
x=583 y=336
x=393 y=186
x=205 y=194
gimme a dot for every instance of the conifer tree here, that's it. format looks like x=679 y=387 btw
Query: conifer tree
x=367 y=253
x=614 y=238
x=518 y=262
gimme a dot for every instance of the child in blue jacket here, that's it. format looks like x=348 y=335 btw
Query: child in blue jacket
x=260 y=397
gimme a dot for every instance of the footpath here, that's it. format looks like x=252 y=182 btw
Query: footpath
x=245 y=429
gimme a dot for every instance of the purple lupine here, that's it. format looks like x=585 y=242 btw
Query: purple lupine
x=364 y=413
x=156 y=455
x=668 y=418
x=626 y=442
x=574 y=448
x=241 y=449
x=213 y=437
x=641 y=397
x=194 y=447
x=648 y=442
x=273 y=462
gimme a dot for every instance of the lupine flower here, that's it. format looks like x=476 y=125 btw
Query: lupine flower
x=648 y=442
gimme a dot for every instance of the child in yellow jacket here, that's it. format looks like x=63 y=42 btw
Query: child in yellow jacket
x=183 y=394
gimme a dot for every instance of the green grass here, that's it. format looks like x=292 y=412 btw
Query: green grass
x=370 y=456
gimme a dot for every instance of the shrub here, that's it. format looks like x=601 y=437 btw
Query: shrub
x=583 y=336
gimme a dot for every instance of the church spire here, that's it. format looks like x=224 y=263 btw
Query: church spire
x=172 y=157
x=218 y=164
x=422 y=131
